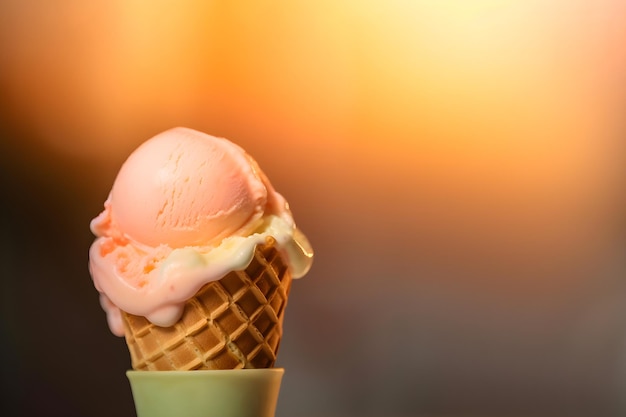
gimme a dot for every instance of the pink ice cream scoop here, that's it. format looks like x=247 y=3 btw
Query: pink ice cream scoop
x=186 y=208
x=185 y=188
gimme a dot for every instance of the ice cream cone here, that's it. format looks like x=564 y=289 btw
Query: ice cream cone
x=186 y=214
x=215 y=393
x=233 y=323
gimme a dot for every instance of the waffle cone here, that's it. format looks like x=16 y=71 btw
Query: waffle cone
x=233 y=323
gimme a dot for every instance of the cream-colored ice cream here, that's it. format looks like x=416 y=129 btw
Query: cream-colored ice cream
x=186 y=208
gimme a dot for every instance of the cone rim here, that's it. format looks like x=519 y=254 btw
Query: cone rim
x=204 y=372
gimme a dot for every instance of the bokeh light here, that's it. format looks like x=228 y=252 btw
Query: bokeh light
x=457 y=165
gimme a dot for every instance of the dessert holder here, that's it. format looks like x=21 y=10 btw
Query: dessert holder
x=233 y=323
x=206 y=393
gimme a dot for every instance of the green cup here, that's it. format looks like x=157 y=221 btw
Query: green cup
x=212 y=393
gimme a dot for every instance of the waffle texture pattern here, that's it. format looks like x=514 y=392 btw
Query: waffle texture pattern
x=233 y=323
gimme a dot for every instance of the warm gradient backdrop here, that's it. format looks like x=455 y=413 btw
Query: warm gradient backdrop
x=458 y=166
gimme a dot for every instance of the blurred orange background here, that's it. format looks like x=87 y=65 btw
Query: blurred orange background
x=458 y=166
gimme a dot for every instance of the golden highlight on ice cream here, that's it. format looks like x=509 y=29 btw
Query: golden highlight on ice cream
x=186 y=209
